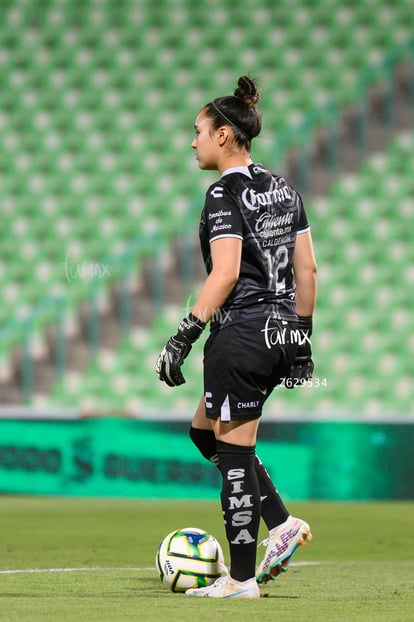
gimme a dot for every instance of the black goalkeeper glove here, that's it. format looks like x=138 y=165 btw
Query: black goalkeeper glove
x=176 y=349
x=302 y=368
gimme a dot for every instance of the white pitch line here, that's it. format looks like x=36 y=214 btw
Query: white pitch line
x=91 y=569
x=107 y=569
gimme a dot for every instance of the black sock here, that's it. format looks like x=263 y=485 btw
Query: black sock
x=240 y=501
x=273 y=509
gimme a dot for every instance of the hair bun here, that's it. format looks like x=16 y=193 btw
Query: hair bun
x=247 y=91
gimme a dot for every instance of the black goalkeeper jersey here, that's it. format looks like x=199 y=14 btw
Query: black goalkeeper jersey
x=262 y=210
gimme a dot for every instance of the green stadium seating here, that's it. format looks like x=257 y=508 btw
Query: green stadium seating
x=97 y=98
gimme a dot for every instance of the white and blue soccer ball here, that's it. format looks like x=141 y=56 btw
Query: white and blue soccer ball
x=189 y=558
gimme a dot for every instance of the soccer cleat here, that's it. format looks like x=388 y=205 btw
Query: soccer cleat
x=226 y=587
x=281 y=546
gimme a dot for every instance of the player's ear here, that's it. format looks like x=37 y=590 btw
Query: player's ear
x=222 y=134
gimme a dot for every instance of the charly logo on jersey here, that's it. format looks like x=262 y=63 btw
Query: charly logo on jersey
x=255 y=200
x=217 y=192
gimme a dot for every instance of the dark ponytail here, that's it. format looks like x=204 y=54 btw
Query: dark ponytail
x=239 y=111
x=247 y=91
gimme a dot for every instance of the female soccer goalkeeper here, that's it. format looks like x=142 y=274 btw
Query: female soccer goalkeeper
x=259 y=297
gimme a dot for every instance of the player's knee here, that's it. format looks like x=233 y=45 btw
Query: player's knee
x=205 y=442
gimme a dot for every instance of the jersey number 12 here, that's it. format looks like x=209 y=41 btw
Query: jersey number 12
x=277 y=265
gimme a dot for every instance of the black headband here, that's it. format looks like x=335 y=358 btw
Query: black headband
x=217 y=109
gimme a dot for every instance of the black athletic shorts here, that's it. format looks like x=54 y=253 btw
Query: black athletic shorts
x=242 y=365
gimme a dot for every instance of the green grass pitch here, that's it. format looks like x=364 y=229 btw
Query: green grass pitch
x=93 y=560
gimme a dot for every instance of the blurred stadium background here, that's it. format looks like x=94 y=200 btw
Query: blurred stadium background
x=100 y=198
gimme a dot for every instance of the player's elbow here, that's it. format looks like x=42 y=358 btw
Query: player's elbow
x=312 y=270
x=226 y=277
x=306 y=271
x=309 y=276
x=230 y=279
